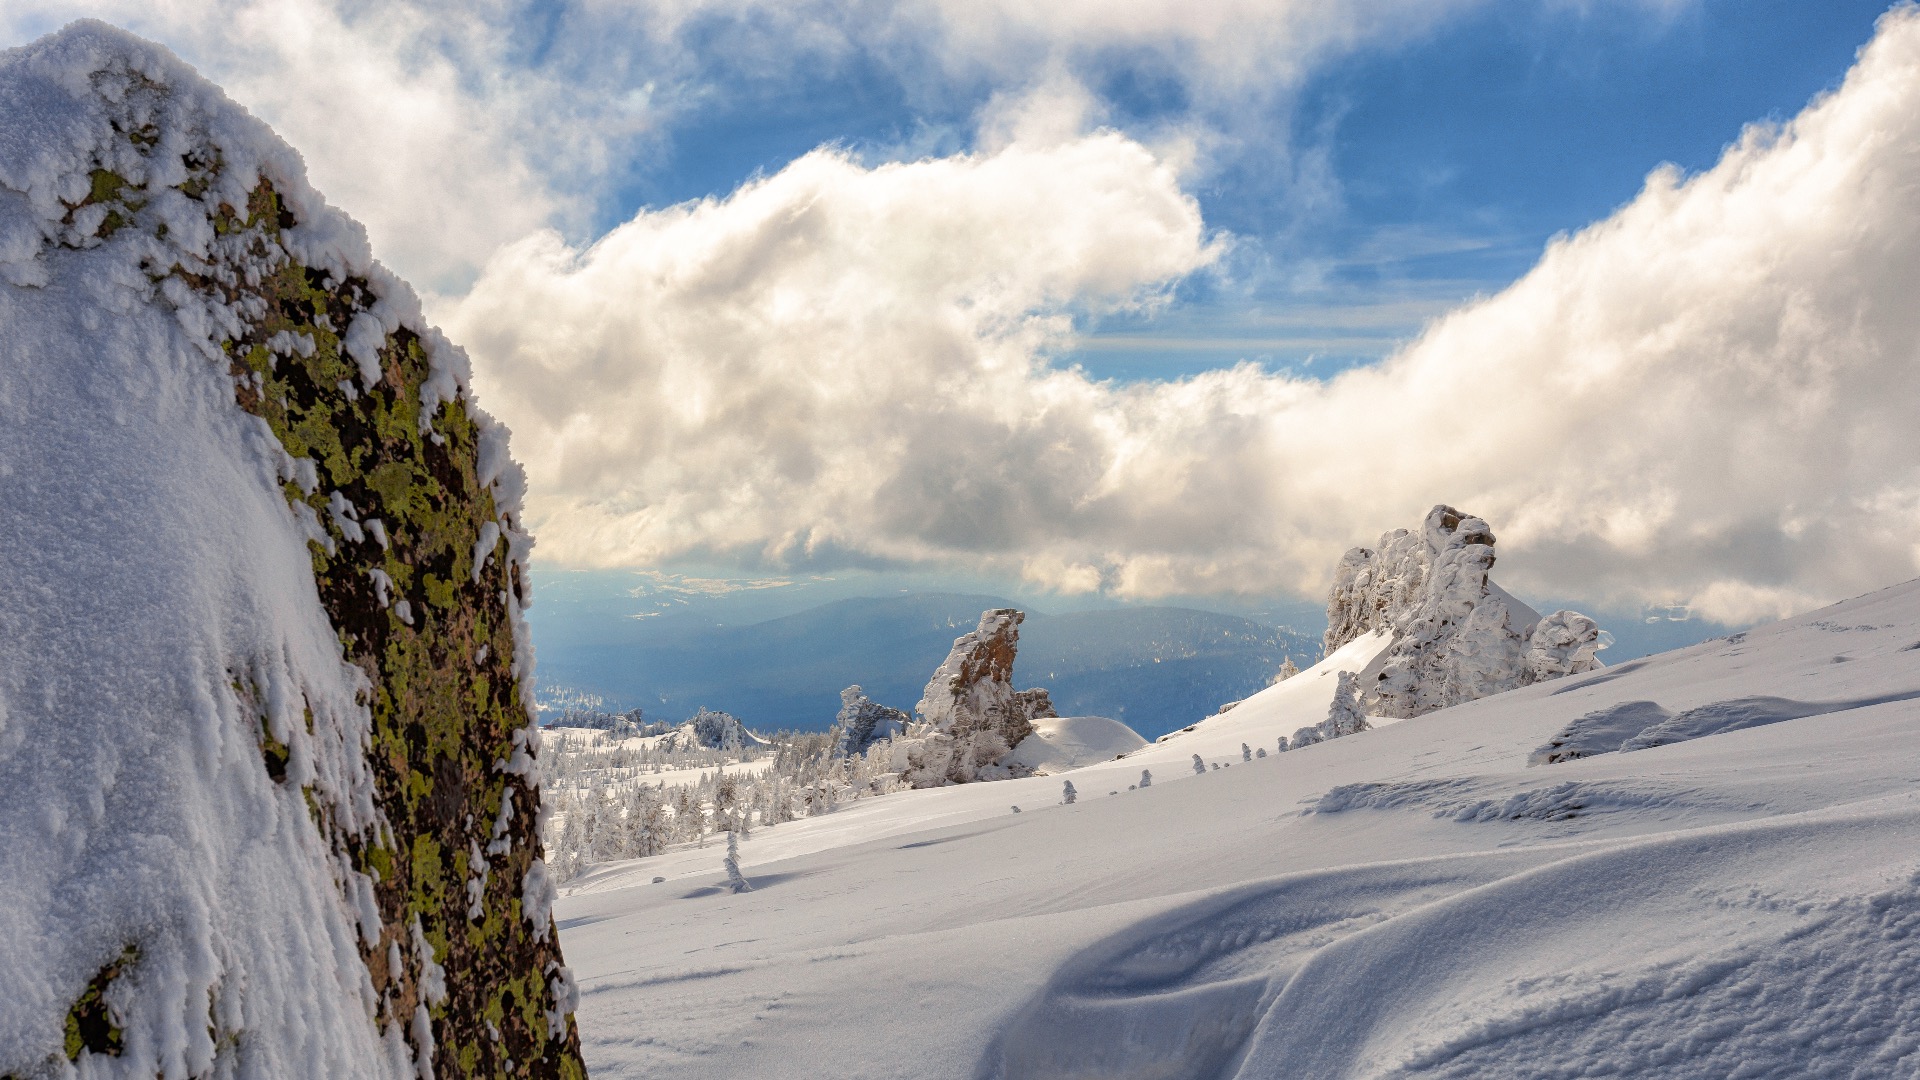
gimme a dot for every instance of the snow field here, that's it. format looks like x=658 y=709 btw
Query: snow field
x=1414 y=900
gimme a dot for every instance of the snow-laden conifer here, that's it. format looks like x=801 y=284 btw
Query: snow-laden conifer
x=1343 y=713
x=735 y=879
x=1199 y=767
x=1067 y=794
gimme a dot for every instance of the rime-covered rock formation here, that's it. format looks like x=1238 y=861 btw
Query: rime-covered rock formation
x=266 y=772
x=1458 y=636
x=710 y=730
x=863 y=722
x=1036 y=703
x=970 y=716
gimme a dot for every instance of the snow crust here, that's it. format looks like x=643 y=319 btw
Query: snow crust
x=1414 y=900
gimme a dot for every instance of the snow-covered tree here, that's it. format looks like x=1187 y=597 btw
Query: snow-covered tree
x=1146 y=778
x=1288 y=669
x=1343 y=714
x=1282 y=747
x=1067 y=794
x=1246 y=752
x=1199 y=767
x=735 y=879
x=1262 y=752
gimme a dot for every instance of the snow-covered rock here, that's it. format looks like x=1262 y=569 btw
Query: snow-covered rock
x=709 y=729
x=863 y=722
x=970 y=716
x=1458 y=636
x=1742 y=903
x=267 y=797
x=1037 y=703
x=1069 y=742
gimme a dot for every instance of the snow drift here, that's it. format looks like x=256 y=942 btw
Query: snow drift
x=1414 y=900
x=266 y=795
x=1068 y=742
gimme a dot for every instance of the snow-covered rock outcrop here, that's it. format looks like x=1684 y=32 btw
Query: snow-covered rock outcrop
x=970 y=716
x=267 y=795
x=1458 y=636
x=709 y=729
x=863 y=722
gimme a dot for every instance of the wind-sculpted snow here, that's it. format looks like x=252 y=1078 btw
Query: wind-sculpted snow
x=265 y=753
x=1742 y=713
x=1177 y=996
x=1592 y=946
x=1639 y=725
x=1482 y=799
x=1408 y=900
x=1599 y=732
x=1474 y=967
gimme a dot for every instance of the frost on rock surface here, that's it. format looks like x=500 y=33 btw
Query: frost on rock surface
x=970 y=716
x=1457 y=635
x=863 y=722
x=263 y=669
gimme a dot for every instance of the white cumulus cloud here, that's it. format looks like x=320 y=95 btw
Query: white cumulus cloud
x=1706 y=398
x=418 y=118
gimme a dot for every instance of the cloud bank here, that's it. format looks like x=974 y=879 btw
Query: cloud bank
x=1707 y=398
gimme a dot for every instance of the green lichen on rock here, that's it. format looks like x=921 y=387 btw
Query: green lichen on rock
x=431 y=630
x=90 y=1026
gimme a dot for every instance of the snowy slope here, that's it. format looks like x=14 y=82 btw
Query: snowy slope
x=1413 y=900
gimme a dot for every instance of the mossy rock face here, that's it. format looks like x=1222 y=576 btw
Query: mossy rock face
x=90 y=1026
x=414 y=572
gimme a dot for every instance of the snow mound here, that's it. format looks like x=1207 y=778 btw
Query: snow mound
x=1070 y=742
x=265 y=794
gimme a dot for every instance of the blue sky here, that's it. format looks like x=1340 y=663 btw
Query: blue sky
x=1426 y=224
x=1446 y=161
